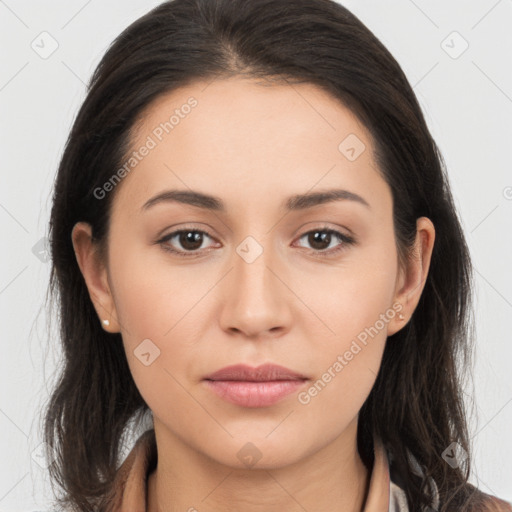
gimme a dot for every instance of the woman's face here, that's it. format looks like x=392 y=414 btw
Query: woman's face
x=258 y=279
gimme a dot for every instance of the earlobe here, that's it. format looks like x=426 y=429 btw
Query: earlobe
x=95 y=275
x=411 y=280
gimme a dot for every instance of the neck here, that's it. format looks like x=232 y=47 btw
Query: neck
x=333 y=478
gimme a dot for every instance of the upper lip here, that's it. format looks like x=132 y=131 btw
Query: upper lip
x=262 y=373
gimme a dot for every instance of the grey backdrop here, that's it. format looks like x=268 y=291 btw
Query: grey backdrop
x=457 y=56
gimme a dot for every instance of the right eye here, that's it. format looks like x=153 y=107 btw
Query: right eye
x=190 y=240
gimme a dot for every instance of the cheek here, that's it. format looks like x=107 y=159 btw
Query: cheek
x=354 y=305
x=347 y=364
x=152 y=296
x=159 y=307
x=350 y=298
x=336 y=397
x=152 y=308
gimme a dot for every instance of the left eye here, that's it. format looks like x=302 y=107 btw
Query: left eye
x=320 y=240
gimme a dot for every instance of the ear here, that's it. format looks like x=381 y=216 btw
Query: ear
x=95 y=274
x=411 y=280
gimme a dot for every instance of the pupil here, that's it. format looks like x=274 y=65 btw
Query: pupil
x=192 y=238
x=322 y=238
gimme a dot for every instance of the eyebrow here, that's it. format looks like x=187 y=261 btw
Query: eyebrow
x=293 y=203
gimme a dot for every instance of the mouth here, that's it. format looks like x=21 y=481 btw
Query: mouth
x=254 y=387
x=263 y=373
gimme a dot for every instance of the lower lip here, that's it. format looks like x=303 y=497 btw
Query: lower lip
x=254 y=394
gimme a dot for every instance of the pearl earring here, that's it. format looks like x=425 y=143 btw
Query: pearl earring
x=401 y=316
x=106 y=323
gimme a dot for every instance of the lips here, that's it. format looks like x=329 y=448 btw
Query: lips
x=264 y=373
x=263 y=386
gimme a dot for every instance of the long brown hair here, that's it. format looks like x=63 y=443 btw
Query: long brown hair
x=416 y=405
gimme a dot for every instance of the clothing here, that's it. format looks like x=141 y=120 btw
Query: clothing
x=130 y=493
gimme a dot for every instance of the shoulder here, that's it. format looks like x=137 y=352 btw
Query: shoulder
x=470 y=498
x=494 y=504
x=488 y=503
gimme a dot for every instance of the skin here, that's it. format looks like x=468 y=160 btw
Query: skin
x=253 y=146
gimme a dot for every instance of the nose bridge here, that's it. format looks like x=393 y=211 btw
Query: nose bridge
x=251 y=264
x=255 y=297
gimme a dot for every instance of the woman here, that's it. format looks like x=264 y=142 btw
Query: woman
x=255 y=248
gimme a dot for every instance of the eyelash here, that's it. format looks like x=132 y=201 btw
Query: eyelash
x=347 y=241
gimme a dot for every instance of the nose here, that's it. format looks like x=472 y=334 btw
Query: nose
x=256 y=298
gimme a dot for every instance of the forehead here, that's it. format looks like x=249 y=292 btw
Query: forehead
x=244 y=140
